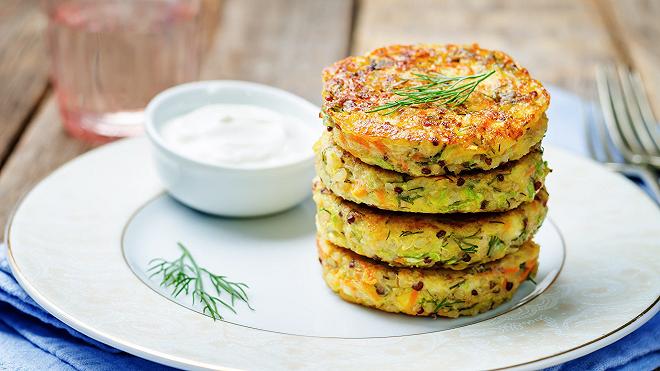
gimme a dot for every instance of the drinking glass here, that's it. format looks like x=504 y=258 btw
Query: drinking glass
x=110 y=57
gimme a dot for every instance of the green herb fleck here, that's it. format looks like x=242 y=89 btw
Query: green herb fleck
x=523 y=233
x=494 y=243
x=409 y=233
x=409 y=195
x=464 y=243
x=456 y=284
x=435 y=158
x=439 y=304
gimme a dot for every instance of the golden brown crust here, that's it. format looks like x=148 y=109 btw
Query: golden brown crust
x=426 y=292
x=454 y=241
x=500 y=121
x=498 y=189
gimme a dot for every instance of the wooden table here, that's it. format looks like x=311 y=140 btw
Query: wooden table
x=287 y=42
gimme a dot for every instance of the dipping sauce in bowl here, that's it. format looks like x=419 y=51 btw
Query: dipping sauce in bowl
x=233 y=148
x=239 y=135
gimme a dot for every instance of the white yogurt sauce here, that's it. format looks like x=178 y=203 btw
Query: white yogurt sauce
x=238 y=135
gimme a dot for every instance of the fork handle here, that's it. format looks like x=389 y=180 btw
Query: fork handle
x=651 y=180
x=647 y=176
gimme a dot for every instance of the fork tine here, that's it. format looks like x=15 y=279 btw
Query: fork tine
x=591 y=141
x=603 y=137
x=621 y=113
x=595 y=144
x=606 y=105
x=634 y=113
x=645 y=109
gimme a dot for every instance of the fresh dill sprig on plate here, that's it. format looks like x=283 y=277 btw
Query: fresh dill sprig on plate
x=447 y=91
x=183 y=272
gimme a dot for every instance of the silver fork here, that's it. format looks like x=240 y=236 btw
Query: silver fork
x=627 y=114
x=625 y=127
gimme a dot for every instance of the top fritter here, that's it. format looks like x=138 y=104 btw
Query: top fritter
x=434 y=109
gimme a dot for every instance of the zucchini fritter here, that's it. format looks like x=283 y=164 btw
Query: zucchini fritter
x=499 y=122
x=426 y=292
x=419 y=240
x=499 y=189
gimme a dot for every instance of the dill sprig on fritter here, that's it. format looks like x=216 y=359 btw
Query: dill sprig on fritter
x=447 y=91
x=179 y=274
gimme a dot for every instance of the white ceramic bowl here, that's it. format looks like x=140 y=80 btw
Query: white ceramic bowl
x=227 y=190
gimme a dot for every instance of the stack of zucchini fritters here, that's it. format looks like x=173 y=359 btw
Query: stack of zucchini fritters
x=430 y=178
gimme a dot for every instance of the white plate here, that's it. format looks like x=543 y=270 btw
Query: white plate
x=277 y=257
x=65 y=247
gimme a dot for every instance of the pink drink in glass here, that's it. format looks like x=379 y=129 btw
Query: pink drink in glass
x=110 y=57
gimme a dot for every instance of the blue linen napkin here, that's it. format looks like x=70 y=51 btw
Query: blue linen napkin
x=639 y=350
x=32 y=339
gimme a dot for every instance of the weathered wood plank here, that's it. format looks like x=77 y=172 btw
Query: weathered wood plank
x=636 y=27
x=284 y=43
x=209 y=22
x=23 y=71
x=43 y=147
x=558 y=41
x=286 y=48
